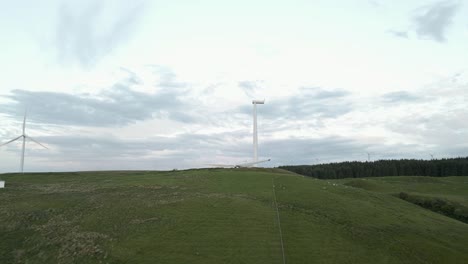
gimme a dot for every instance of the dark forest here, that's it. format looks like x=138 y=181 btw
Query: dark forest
x=381 y=168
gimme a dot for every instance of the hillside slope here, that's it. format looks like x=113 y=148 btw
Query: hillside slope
x=215 y=216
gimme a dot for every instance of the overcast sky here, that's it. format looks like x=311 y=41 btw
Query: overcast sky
x=168 y=84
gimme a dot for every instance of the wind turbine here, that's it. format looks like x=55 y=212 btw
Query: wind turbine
x=255 y=137
x=24 y=137
x=255 y=144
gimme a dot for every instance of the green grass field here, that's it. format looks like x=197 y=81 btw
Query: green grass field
x=450 y=188
x=224 y=216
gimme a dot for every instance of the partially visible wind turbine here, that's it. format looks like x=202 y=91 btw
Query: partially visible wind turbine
x=255 y=144
x=239 y=165
x=24 y=137
x=255 y=136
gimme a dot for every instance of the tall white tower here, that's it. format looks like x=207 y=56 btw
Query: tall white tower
x=255 y=137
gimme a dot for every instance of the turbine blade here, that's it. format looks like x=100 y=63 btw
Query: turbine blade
x=222 y=165
x=10 y=141
x=250 y=164
x=35 y=141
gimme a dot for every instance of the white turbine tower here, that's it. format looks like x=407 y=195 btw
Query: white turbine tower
x=255 y=144
x=24 y=137
x=255 y=137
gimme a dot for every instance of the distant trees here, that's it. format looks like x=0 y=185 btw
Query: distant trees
x=380 y=168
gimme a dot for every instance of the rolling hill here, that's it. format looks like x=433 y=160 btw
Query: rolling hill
x=224 y=216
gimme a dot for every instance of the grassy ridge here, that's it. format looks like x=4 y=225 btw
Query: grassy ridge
x=216 y=216
x=357 y=226
x=450 y=188
x=447 y=196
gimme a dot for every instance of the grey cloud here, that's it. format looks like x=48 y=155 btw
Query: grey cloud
x=132 y=77
x=167 y=78
x=443 y=129
x=72 y=152
x=318 y=93
x=399 y=34
x=117 y=106
x=249 y=87
x=430 y=119
x=307 y=151
x=375 y=3
x=437 y=124
x=308 y=103
x=295 y=151
x=432 y=21
x=84 y=35
x=400 y=97
x=75 y=152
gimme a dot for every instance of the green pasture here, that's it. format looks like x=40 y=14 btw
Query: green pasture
x=222 y=216
x=450 y=188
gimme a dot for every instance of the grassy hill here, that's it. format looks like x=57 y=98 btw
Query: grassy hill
x=450 y=188
x=445 y=195
x=223 y=216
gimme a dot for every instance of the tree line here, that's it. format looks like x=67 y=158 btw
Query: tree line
x=380 y=168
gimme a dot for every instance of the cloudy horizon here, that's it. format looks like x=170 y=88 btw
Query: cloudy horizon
x=151 y=85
